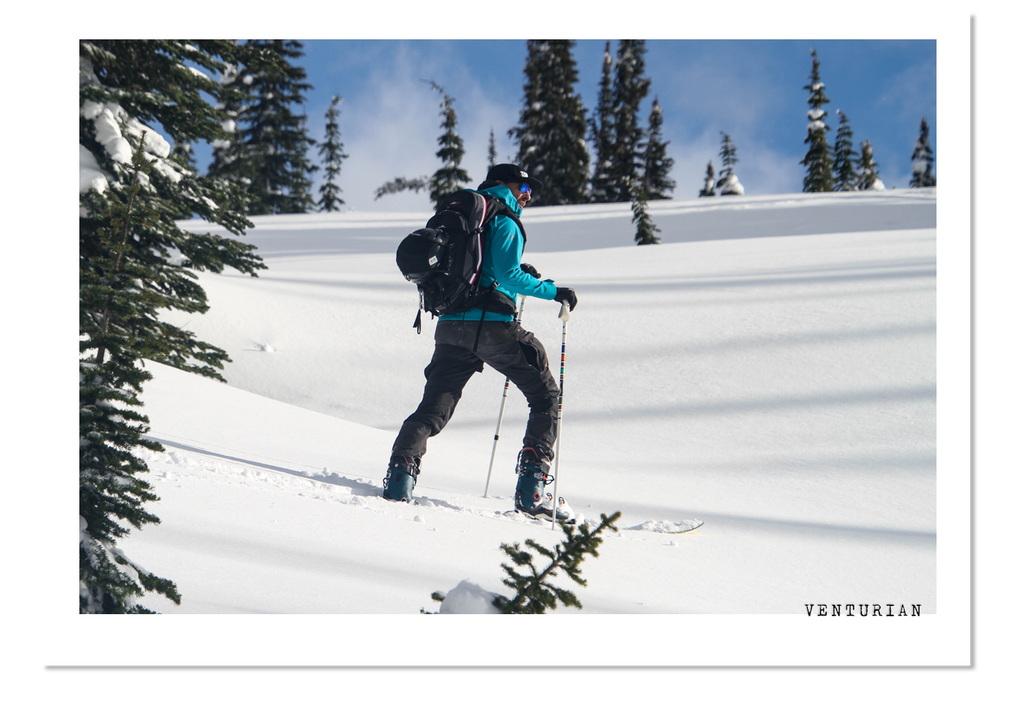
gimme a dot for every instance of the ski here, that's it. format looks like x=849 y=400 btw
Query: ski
x=536 y=519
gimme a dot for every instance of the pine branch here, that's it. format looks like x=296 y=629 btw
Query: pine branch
x=534 y=593
x=402 y=184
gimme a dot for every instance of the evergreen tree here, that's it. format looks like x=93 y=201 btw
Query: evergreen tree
x=818 y=159
x=869 y=179
x=645 y=227
x=923 y=160
x=709 y=182
x=602 y=132
x=274 y=139
x=332 y=152
x=657 y=165
x=551 y=134
x=844 y=168
x=728 y=184
x=134 y=262
x=450 y=177
x=630 y=89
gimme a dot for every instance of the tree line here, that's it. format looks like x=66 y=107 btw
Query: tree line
x=837 y=167
x=263 y=146
x=553 y=131
x=608 y=156
x=829 y=166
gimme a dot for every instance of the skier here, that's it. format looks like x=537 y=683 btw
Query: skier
x=464 y=342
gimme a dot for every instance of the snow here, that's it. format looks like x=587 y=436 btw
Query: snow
x=108 y=130
x=769 y=370
x=90 y=175
x=111 y=123
x=469 y=598
x=732 y=186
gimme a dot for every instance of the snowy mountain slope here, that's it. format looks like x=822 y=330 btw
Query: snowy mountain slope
x=780 y=388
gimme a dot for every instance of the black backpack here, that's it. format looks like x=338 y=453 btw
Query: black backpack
x=445 y=258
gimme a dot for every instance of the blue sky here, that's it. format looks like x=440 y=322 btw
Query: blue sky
x=750 y=89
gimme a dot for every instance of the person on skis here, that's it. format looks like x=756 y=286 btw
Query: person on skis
x=464 y=342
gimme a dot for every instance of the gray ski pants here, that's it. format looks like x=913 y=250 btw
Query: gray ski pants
x=508 y=348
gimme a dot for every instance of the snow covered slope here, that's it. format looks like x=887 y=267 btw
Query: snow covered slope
x=773 y=376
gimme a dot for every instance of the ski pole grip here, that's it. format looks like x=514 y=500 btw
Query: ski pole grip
x=563 y=315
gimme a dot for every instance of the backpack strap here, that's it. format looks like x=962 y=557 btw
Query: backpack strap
x=496 y=207
x=501 y=208
x=483 y=312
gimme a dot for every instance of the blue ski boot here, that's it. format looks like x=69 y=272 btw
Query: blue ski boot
x=532 y=469
x=533 y=474
x=401 y=479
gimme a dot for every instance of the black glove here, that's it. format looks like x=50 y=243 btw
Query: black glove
x=567 y=296
x=530 y=269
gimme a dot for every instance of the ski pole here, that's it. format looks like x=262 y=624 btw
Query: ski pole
x=563 y=316
x=501 y=412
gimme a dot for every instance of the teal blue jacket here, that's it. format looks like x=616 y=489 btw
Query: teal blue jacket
x=503 y=255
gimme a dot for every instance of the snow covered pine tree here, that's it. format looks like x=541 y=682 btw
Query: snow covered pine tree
x=923 y=160
x=131 y=192
x=818 y=159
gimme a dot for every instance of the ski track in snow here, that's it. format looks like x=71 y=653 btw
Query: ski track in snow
x=181 y=460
